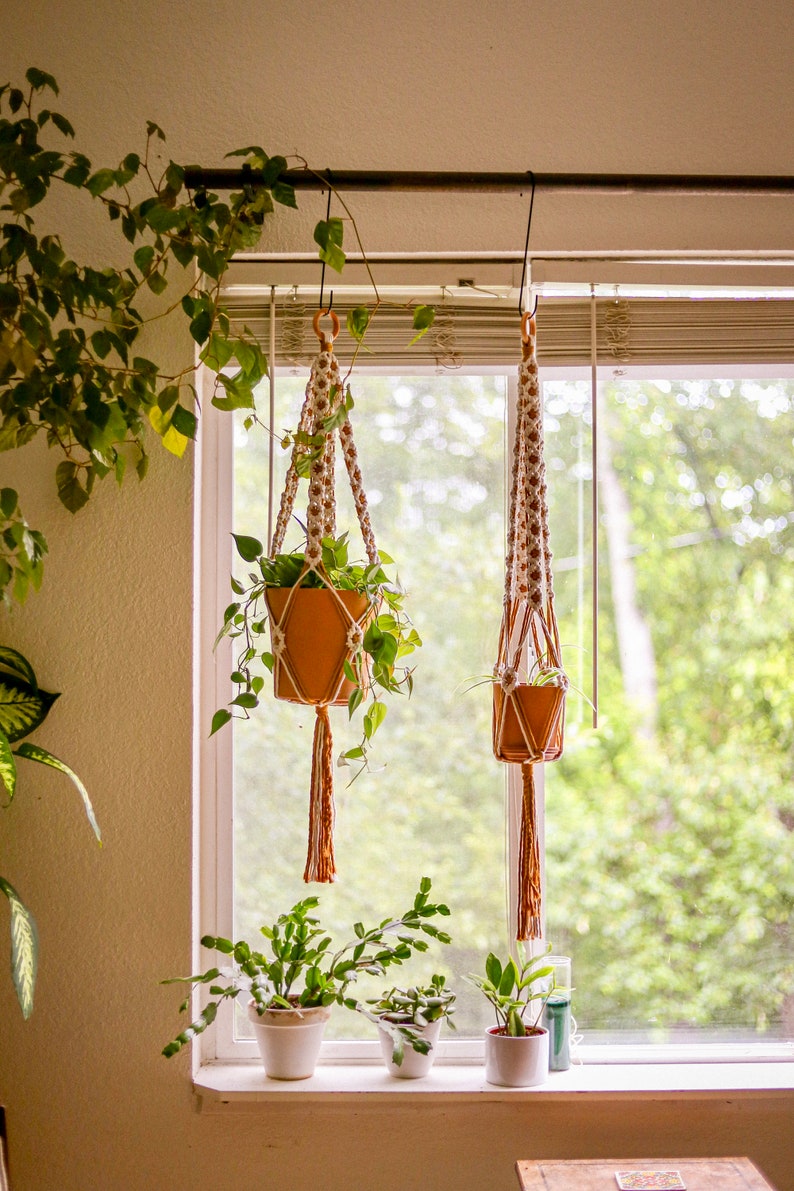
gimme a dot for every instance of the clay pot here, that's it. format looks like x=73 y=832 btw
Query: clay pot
x=311 y=666
x=542 y=713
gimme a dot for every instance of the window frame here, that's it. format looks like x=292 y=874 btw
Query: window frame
x=213 y=819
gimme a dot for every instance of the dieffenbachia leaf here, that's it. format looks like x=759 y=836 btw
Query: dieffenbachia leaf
x=34 y=752
x=24 y=948
x=8 y=769
x=22 y=707
x=17 y=665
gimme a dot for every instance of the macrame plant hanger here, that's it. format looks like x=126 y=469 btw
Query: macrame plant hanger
x=315 y=631
x=529 y=683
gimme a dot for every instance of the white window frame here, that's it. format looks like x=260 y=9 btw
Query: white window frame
x=213 y=817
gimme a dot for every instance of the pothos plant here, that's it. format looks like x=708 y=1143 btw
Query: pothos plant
x=70 y=363
x=24 y=705
x=375 y=669
x=300 y=966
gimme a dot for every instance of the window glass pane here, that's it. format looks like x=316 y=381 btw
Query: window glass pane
x=431 y=450
x=670 y=830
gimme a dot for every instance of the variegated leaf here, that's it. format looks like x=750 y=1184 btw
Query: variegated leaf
x=22 y=707
x=34 y=752
x=17 y=665
x=8 y=769
x=24 y=948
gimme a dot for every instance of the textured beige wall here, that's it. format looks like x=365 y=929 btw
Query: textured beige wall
x=510 y=85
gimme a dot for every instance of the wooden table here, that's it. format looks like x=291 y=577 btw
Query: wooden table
x=598 y=1174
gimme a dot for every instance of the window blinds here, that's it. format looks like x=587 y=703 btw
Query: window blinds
x=487 y=332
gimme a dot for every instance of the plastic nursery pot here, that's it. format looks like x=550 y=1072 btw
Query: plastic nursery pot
x=540 y=711
x=289 y=1039
x=310 y=668
x=516 y=1062
x=414 y=1064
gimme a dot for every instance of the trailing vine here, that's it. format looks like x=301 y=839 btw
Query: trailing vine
x=70 y=365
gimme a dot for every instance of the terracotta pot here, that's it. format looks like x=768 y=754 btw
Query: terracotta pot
x=521 y=1062
x=542 y=711
x=289 y=1040
x=414 y=1064
x=316 y=632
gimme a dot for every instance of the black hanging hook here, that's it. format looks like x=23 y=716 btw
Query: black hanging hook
x=327 y=217
x=526 y=252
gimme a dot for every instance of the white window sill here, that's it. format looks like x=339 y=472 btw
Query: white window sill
x=225 y=1086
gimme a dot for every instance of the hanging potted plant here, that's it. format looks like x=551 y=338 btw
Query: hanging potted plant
x=337 y=630
x=517 y=1047
x=293 y=985
x=409 y=1022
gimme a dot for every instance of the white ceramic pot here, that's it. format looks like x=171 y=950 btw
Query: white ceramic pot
x=289 y=1039
x=414 y=1064
x=518 y=1062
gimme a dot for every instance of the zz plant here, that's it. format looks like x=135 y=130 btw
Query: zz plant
x=23 y=707
x=516 y=990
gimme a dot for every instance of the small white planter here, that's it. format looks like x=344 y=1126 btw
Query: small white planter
x=289 y=1040
x=518 y=1062
x=414 y=1064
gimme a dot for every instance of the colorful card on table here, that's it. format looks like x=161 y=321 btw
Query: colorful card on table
x=650 y=1180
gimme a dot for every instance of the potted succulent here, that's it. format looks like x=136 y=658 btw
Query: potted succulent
x=517 y=1047
x=529 y=714
x=293 y=985
x=370 y=660
x=409 y=1022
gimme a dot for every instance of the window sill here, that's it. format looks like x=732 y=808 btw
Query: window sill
x=244 y=1086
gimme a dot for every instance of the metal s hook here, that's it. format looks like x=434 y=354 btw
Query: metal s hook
x=526 y=252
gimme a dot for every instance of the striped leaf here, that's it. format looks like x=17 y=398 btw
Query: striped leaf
x=34 y=752
x=17 y=665
x=24 y=948
x=22 y=707
x=8 y=769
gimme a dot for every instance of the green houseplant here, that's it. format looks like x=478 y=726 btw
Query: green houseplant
x=517 y=1047
x=301 y=975
x=23 y=707
x=372 y=668
x=411 y=1017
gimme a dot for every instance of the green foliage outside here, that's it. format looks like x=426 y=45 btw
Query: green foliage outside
x=669 y=849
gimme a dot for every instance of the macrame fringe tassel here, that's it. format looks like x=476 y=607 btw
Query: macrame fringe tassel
x=320 y=859
x=529 y=888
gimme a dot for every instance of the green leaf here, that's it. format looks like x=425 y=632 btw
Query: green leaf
x=18 y=665
x=423 y=321
x=8 y=769
x=34 y=752
x=329 y=234
x=493 y=970
x=22 y=707
x=39 y=79
x=249 y=549
x=184 y=421
x=221 y=717
x=24 y=948
x=357 y=322
x=70 y=491
x=101 y=181
x=374 y=718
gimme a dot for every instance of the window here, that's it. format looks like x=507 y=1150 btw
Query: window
x=669 y=857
